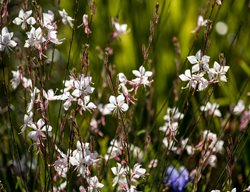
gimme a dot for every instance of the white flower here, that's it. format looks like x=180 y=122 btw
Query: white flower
x=212 y=142
x=199 y=61
x=119 y=173
x=212 y=109
x=117 y=104
x=212 y=159
x=82 y=158
x=122 y=78
x=201 y=22
x=24 y=18
x=169 y=144
x=35 y=38
x=239 y=108
x=153 y=163
x=50 y=95
x=137 y=172
x=94 y=184
x=120 y=28
x=218 y=72
x=61 y=164
x=52 y=37
x=5 y=40
x=65 y=18
x=195 y=81
x=32 y=99
x=48 y=20
x=142 y=76
x=173 y=114
x=26 y=82
x=15 y=81
x=86 y=104
x=82 y=86
x=27 y=121
x=39 y=130
x=114 y=150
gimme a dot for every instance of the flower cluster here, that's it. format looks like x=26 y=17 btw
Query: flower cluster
x=42 y=31
x=200 y=76
x=83 y=159
x=78 y=90
x=127 y=90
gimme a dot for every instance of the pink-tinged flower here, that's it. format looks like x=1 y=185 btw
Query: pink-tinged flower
x=6 y=41
x=65 y=18
x=199 y=62
x=35 y=38
x=195 y=81
x=122 y=78
x=137 y=172
x=48 y=20
x=201 y=22
x=61 y=164
x=211 y=142
x=239 y=108
x=24 y=18
x=218 y=72
x=94 y=184
x=39 y=130
x=142 y=76
x=153 y=163
x=83 y=158
x=82 y=86
x=211 y=109
x=86 y=104
x=117 y=104
x=52 y=37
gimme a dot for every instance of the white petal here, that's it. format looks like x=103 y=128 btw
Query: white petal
x=184 y=77
x=124 y=107
x=136 y=73
x=192 y=59
x=120 y=99
x=77 y=93
x=27 y=14
x=17 y=21
x=12 y=43
x=223 y=78
x=31 y=21
x=198 y=55
x=112 y=99
x=216 y=66
x=40 y=123
x=225 y=68
x=21 y=14
x=195 y=68
x=148 y=74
